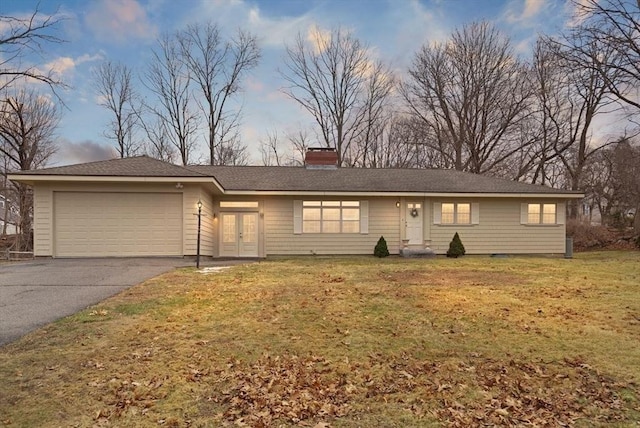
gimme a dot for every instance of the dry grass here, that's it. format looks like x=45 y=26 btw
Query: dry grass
x=345 y=342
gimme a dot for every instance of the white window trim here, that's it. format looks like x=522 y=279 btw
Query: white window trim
x=560 y=214
x=298 y=219
x=437 y=213
x=239 y=204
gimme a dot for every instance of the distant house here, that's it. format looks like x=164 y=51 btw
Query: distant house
x=145 y=207
x=8 y=216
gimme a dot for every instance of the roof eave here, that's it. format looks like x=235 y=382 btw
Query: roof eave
x=519 y=195
x=34 y=178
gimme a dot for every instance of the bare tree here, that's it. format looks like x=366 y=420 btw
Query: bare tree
x=376 y=117
x=230 y=150
x=551 y=116
x=334 y=79
x=585 y=94
x=472 y=94
x=626 y=156
x=616 y=24
x=233 y=154
x=270 y=150
x=404 y=146
x=300 y=144
x=600 y=186
x=27 y=128
x=217 y=68
x=113 y=83
x=168 y=78
x=158 y=144
x=20 y=37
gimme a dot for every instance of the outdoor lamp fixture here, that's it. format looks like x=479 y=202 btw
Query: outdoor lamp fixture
x=198 y=242
x=398 y=204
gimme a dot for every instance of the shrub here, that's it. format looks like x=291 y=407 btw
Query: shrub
x=456 y=249
x=587 y=236
x=381 y=249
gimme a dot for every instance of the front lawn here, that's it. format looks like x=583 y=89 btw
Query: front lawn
x=345 y=342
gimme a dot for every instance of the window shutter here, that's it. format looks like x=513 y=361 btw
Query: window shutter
x=297 y=217
x=475 y=213
x=364 y=217
x=560 y=213
x=524 y=213
x=437 y=212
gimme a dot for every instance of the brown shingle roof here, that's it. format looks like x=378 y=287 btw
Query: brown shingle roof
x=300 y=179
x=138 y=166
x=363 y=180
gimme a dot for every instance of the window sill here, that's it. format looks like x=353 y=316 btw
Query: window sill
x=329 y=233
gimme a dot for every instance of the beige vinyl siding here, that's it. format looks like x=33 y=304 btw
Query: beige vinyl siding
x=207 y=235
x=42 y=221
x=499 y=230
x=280 y=238
x=193 y=193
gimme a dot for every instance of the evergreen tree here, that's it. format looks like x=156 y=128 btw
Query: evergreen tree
x=381 y=249
x=456 y=249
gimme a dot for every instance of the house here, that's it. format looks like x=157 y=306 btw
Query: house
x=9 y=216
x=141 y=206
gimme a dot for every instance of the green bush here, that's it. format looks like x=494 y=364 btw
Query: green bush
x=381 y=249
x=456 y=249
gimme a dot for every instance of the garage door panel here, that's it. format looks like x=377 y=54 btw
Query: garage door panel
x=117 y=224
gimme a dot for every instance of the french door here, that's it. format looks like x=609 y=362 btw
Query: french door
x=239 y=234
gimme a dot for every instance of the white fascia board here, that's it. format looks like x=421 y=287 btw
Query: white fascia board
x=408 y=194
x=31 y=179
x=110 y=179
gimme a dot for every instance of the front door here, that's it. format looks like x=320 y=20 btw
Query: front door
x=239 y=234
x=413 y=223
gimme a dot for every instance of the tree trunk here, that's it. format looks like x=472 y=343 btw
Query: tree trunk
x=24 y=226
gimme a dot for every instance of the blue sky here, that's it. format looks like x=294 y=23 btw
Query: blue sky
x=126 y=31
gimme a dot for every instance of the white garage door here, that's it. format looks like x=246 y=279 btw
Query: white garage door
x=117 y=224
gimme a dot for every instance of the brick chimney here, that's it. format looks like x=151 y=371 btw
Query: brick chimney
x=321 y=158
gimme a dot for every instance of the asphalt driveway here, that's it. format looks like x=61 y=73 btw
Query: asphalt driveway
x=35 y=293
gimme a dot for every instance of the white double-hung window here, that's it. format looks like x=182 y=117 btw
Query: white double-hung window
x=330 y=216
x=456 y=213
x=542 y=214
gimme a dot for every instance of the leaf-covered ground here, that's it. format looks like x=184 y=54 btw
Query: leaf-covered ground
x=344 y=342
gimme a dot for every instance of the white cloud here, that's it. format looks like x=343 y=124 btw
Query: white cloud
x=88 y=58
x=119 y=21
x=524 y=15
x=318 y=38
x=65 y=65
x=233 y=14
x=411 y=26
x=61 y=65
x=532 y=8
